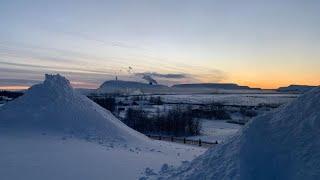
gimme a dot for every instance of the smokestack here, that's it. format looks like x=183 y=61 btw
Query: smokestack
x=150 y=80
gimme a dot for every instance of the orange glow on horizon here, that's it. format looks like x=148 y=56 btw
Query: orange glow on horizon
x=14 y=87
x=75 y=84
x=253 y=84
x=78 y=84
x=271 y=82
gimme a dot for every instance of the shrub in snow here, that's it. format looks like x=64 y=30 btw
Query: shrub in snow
x=107 y=102
x=177 y=121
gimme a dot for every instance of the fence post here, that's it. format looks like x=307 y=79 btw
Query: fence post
x=200 y=142
x=171 y=138
x=159 y=137
x=184 y=140
x=216 y=142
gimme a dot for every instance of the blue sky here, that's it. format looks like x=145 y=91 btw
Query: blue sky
x=257 y=43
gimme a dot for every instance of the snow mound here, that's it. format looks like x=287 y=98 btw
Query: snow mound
x=280 y=145
x=54 y=106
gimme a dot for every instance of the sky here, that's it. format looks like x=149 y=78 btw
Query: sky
x=258 y=43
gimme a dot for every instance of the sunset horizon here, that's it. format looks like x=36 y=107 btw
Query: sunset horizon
x=160 y=89
x=95 y=86
x=258 y=44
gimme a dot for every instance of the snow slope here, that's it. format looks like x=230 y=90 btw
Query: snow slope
x=55 y=106
x=281 y=145
x=50 y=157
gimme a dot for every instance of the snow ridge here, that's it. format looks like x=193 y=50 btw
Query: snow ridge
x=57 y=82
x=280 y=145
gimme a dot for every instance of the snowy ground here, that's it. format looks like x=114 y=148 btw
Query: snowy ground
x=45 y=156
x=231 y=99
x=216 y=130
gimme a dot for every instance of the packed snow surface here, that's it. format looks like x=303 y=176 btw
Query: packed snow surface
x=47 y=156
x=281 y=145
x=52 y=132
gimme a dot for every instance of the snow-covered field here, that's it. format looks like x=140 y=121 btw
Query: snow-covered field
x=216 y=130
x=52 y=157
x=231 y=99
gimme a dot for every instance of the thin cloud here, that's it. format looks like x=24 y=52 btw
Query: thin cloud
x=211 y=76
x=15 y=82
x=160 y=75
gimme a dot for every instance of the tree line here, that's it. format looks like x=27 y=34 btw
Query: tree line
x=177 y=121
x=11 y=94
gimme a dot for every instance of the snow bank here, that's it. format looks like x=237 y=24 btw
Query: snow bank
x=283 y=145
x=54 y=106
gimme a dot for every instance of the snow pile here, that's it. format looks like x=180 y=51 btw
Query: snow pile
x=54 y=106
x=281 y=145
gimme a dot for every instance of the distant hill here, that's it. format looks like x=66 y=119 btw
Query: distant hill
x=296 y=88
x=84 y=91
x=227 y=86
x=130 y=87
